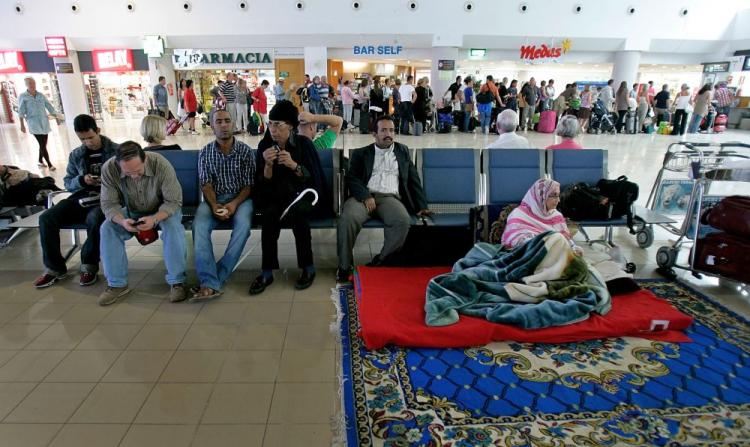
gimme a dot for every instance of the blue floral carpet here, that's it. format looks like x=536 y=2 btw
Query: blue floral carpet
x=612 y=392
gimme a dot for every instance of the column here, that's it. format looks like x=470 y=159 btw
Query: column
x=625 y=68
x=440 y=80
x=71 y=92
x=162 y=66
x=316 y=61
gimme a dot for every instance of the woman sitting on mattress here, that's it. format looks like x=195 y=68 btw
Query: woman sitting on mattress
x=537 y=214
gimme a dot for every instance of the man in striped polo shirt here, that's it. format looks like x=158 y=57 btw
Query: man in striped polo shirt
x=228 y=92
x=226 y=170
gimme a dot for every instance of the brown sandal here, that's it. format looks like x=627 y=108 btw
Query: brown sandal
x=205 y=294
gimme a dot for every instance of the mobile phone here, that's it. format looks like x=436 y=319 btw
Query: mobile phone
x=95 y=177
x=139 y=222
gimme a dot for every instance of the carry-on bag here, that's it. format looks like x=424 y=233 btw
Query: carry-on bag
x=418 y=128
x=731 y=214
x=547 y=121
x=720 y=123
x=174 y=125
x=724 y=254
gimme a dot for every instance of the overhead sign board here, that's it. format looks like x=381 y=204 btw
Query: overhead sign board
x=544 y=53
x=112 y=60
x=715 y=67
x=381 y=50
x=153 y=46
x=56 y=46
x=12 y=62
x=187 y=59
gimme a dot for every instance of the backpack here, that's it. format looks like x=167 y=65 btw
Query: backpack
x=622 y=194
x=484 y=97
x=581 y=201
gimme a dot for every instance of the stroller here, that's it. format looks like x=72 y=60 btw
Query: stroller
x=445 y=120
x=601 y=120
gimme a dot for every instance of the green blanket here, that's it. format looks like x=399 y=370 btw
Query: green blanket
x=539 y=284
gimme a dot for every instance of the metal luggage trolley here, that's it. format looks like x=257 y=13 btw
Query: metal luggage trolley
x=702 y=166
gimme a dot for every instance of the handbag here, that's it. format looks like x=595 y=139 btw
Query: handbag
x=144 y=237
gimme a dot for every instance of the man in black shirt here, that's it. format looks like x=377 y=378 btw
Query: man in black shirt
x=454 y=88
x=661 y=104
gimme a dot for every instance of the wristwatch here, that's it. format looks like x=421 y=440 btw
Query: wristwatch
x=298 y=168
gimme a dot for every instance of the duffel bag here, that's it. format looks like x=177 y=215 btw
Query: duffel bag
x=622 y=195
x=581 y=201
x=724 y=254
x=731 y=214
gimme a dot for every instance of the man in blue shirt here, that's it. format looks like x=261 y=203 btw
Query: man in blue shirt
x=161 y=97
x=33 y=107
x=278 y=90
x=82 y=178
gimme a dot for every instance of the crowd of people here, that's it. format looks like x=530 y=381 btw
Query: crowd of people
x=470 y=102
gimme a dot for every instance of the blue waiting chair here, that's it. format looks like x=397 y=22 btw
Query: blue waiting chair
x=509 y=173
x=452 y=181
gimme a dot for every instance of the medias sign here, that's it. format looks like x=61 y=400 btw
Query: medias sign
x=186 y=59
x=544 y=53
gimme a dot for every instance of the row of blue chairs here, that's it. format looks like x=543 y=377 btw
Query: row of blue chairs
x=454 y=180
x=463 y=178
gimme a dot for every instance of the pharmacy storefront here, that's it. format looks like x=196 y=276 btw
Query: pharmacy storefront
x=206 y=67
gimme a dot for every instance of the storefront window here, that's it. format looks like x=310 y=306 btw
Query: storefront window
x=118 y=95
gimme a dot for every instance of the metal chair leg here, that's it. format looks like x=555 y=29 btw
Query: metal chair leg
x=76 y=245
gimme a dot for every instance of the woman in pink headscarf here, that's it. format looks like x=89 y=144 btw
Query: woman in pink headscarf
x=537 y=214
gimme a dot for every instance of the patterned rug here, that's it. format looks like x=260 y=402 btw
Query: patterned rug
x=612 y=392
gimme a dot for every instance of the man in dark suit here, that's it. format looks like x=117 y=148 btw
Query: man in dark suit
x=383 y=183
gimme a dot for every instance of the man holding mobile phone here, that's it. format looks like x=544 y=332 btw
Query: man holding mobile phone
x=82 y=179
x=140 y=193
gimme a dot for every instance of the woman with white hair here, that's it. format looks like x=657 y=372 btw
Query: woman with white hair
x=153 y=130
x=567 y=129
x=506 y=124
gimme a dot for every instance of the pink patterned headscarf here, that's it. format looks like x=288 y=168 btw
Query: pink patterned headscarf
x=532 y=218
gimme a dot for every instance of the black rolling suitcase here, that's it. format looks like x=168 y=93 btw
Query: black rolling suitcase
x=364 y=120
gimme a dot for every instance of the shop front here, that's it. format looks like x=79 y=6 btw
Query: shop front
x=207 y=67
x=117 y=83
x=15 y=66
x=360 y=62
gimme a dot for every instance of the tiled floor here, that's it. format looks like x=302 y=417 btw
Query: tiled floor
x=241 y=371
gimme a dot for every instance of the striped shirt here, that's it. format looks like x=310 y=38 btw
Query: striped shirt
x=156 y=190
x=228 y=174
x=229 y=91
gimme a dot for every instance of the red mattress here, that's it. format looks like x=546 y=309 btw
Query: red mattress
x=391 y=311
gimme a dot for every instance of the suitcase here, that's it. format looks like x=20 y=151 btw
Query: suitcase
x=731 y=214
x=493 y=118
x=724 y=254
x=720 y=123
x=631 y=123
x=174 y=125
x=708 y=121
x=418 y=128
x=364 y=122
x=458 y=119
x=547 y=122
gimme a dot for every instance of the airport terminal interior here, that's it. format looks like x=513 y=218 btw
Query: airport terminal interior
x=393 y=223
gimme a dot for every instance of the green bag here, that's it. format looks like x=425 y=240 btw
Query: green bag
x=535 y=119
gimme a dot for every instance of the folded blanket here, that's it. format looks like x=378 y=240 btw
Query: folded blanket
x=539 y=284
